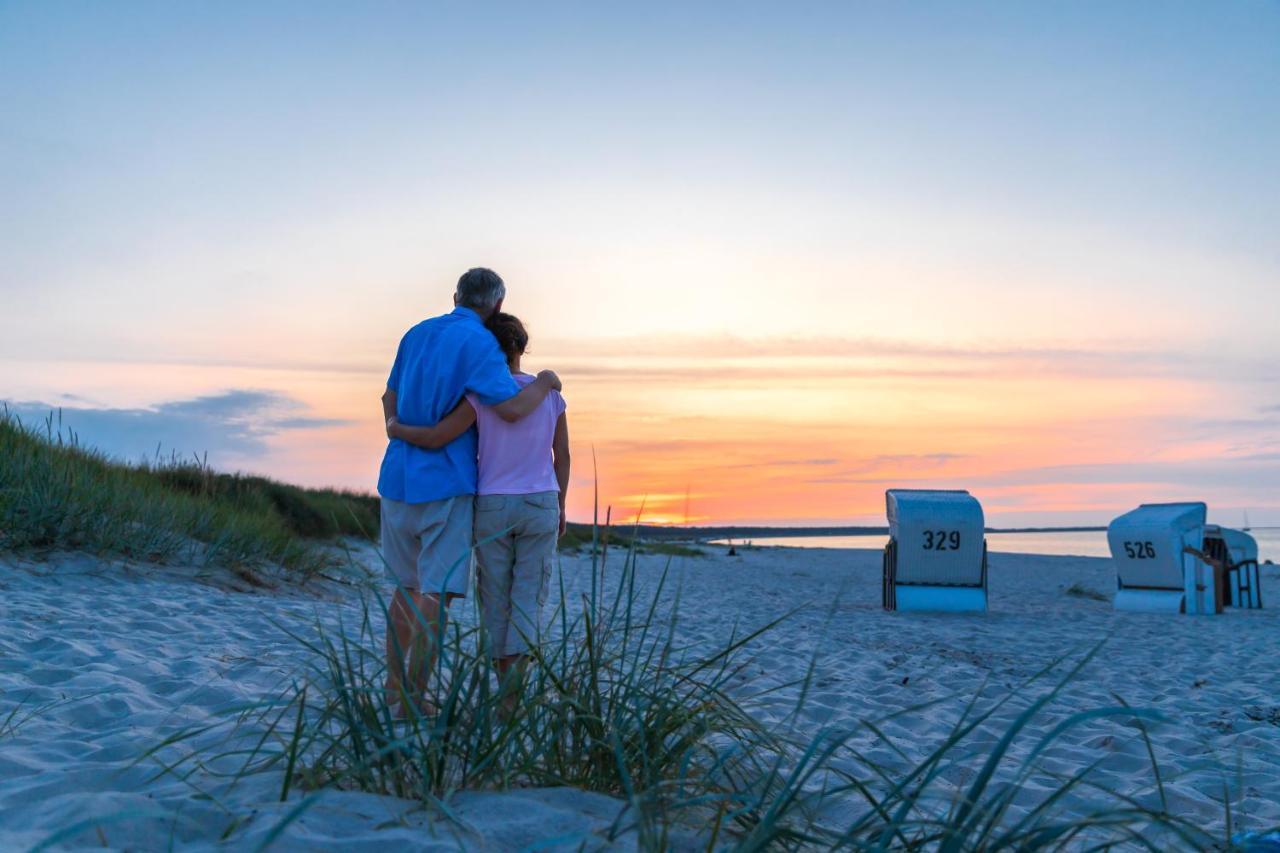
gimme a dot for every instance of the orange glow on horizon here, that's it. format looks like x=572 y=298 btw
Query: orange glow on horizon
x=718 y=436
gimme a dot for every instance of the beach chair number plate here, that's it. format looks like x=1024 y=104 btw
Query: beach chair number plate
x=942 y=540
x=1140 y=550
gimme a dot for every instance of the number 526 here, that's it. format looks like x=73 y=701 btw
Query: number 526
x=1140 y=550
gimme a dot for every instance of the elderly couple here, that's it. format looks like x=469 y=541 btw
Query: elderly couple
x=447 y=486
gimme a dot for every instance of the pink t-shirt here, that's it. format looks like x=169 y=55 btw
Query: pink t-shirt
x=515 y=459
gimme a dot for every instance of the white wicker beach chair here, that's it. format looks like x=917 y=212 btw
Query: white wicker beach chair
x=1161 y=566
x=1238 y=551
x=936 y=558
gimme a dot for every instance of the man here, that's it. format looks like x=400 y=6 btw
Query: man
x=427 y=494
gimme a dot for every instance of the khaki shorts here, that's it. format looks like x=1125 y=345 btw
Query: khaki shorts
x=515 y=548
x=427 y=546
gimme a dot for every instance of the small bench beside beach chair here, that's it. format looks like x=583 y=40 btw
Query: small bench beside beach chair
x=1238 y=552
x=936 y=558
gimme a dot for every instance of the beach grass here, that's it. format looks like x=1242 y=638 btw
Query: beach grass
x=581 y=537
x=616 y=703
x=1079 y=590
x=56 y=494
x=309 y=513
x=669 y=549
x=59 y=494
x=613 y=705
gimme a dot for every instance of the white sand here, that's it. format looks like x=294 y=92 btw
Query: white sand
x=1216 y=678
x=115 y=659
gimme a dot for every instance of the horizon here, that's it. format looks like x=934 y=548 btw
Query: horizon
x=783 y=259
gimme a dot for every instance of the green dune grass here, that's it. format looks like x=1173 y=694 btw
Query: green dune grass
x=56 y=494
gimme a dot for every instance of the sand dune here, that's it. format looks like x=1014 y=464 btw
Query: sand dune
x=100 y=662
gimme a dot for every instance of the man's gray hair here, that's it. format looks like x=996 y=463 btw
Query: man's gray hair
x=480 y=289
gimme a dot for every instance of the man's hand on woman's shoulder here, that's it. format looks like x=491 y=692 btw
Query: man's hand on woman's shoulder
x=549 y=376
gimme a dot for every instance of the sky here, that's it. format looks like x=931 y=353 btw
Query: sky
x=784 y=256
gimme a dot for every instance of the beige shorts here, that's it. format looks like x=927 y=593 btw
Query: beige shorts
x=427 y=546
x=515 y=548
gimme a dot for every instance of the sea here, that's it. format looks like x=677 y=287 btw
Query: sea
x=1073 y=543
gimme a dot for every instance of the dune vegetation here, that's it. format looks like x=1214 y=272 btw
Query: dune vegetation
x=57 y=494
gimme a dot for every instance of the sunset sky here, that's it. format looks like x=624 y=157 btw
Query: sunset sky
x=784 y=256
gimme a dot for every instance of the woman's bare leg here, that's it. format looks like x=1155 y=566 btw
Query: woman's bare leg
x=511 y=673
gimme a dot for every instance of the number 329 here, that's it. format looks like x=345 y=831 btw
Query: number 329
x=941 y=540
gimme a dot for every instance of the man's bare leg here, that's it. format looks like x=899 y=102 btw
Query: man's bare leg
x=422 y=654
x=414 y=624
x=409 y=613
x=400 y=633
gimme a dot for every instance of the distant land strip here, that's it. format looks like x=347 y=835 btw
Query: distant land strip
x=656 y=532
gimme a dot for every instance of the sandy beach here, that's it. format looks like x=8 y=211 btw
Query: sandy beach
x=101 y=661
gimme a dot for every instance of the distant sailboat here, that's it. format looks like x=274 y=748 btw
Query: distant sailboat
x=1246 y=521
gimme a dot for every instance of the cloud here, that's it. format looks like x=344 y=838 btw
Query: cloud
x=639 y=370
x=691 y=357
x=1095 y=358
x=916 y=460
x=888 y=465
x=1244 y=474
x=727 y=360
x=1259 y=457
x=235 y=423
x=310 y=423
x=230 y=405
x=785 y=463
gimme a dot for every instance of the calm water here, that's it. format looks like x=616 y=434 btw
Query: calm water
x=1059 y=544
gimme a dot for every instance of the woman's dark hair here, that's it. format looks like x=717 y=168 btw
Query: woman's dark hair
x=512 y=338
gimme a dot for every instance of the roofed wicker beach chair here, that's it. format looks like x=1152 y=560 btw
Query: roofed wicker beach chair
x=936 y=558
x=1161 y=566
x=1238 y=552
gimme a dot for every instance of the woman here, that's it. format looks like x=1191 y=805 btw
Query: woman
x=520 y=505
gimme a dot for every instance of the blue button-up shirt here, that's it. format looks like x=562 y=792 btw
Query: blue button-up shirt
x=438 y=362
